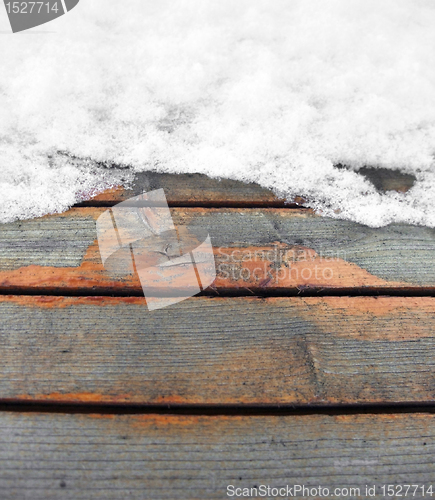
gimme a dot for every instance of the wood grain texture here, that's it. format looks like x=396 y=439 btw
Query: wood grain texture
x=194 y=190
x=218 y=350
x=258 y=250
x=200 y=190
x=77 y=457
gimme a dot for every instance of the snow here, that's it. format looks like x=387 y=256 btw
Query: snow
x=270 y=92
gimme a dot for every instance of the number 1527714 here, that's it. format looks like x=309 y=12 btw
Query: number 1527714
x=32 y=7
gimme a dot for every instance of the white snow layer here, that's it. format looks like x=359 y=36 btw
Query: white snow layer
x=269 y=91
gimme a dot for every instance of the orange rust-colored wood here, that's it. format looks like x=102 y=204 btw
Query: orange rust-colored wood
x=234 y=272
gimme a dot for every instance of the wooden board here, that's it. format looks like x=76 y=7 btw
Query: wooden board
x=193 y=190
x=86 y=457
x=257 y=251
x=218 y=350
x=200 y=190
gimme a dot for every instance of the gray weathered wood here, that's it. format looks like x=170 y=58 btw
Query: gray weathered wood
x=201 y=190
x=218 y=350
x=78 y=457
x=194 y=190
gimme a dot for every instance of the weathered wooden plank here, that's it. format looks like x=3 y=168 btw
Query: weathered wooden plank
x=52 y=456
x=258 y=250
x=200 y=190
x=218 y=350
x=194 y=190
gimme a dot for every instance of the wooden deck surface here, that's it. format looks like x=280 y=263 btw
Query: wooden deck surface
x=309 y=361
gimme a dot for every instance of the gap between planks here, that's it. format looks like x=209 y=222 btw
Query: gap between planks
x=40 y=406
x=252 y=292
